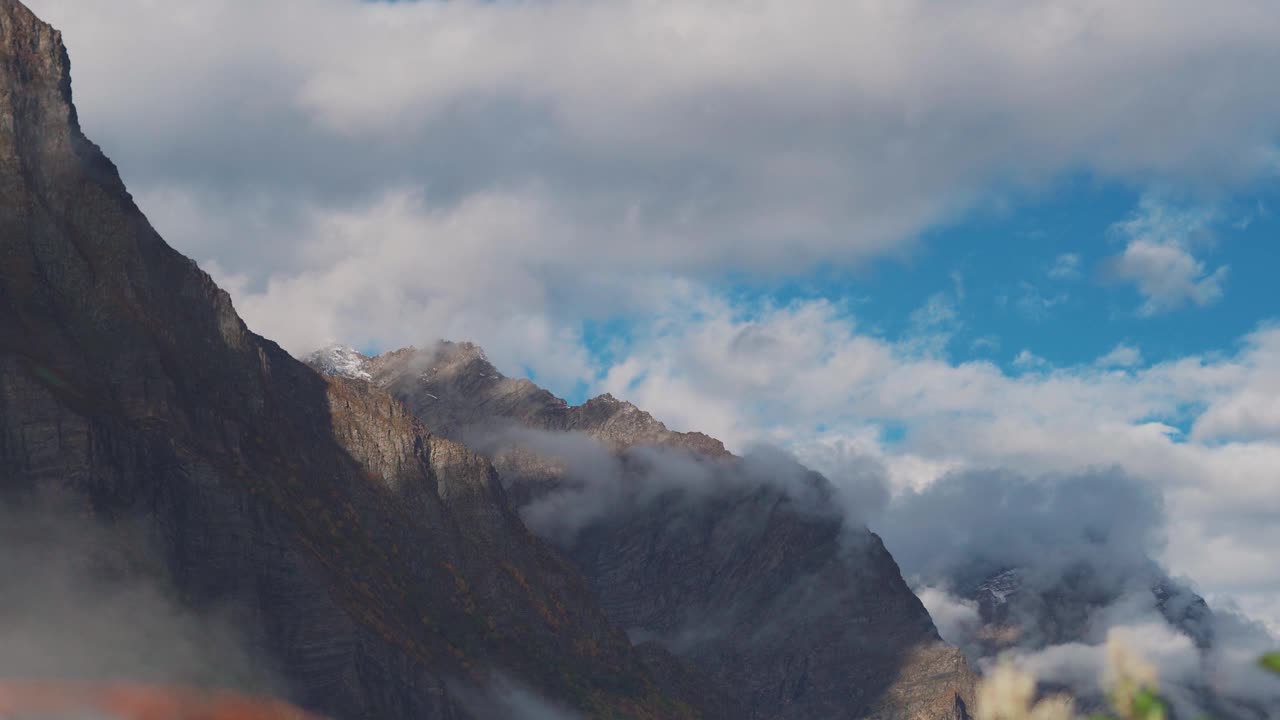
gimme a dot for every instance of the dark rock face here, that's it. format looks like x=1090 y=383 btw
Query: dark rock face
x=378 y=565
x=776 y=601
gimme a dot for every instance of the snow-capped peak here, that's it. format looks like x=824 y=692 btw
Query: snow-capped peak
x=1001 y=586
x=341 y=360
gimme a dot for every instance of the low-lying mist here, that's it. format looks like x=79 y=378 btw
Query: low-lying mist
x=84 y=602
x=503 y=698
x=566 y=482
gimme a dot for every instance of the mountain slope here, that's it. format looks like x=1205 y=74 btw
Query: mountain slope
x=735 y=565
x=380 y=567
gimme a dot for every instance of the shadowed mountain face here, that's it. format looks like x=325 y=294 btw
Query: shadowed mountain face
x=736 y=565
x=375 y=567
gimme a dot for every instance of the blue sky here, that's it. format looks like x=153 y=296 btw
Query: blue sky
x=897 y=236
x=997 y=269
x=1034 y=274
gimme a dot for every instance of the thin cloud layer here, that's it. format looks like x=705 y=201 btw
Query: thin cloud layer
x=1159 y=257
x=1121 y=355
x=986 y=522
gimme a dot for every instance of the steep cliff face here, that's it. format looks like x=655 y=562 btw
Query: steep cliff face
x=744 y=578
x=379 y=567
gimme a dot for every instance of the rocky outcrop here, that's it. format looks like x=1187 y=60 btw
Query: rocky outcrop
x=378 y=567
x=750 y=581
x=456 y=387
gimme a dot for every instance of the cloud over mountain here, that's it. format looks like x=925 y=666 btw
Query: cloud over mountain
x=340 y=156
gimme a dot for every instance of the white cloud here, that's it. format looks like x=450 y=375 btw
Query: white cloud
x=1158 y=257
x=937 y=312
x=957 y=619
x=1034 y=304
x=1248 y=415
x=1169 y=276
x=933 y=324
x=957 y=282
x=1028 y=360
x=1252 y=410
x=1178 y=665
x=1083 y=665
x=688 y=137
x=1065 y=267
x=402 y=269
x=985 y=344
x=1121 y=355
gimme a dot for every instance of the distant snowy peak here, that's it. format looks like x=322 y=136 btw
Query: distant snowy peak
x=997 y=588
x=453 y=385
x=341 y=360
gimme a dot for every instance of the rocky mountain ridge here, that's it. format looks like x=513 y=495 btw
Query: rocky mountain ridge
x=463 y=389
x=759 y=586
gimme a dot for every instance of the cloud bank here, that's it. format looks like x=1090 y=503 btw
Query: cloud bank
x=354 y=169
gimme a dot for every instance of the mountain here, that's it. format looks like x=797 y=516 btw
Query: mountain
x=376 y=567
x=458 y=388
x=1019 y=613
x=736 y=565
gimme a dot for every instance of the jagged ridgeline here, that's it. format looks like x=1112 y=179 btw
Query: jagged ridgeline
x=364 y=566
x=735 y=565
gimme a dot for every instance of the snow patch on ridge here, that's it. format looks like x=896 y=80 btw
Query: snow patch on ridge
x=341 y=360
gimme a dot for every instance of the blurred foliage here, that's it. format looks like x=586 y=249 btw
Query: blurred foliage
x=1271 y=662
